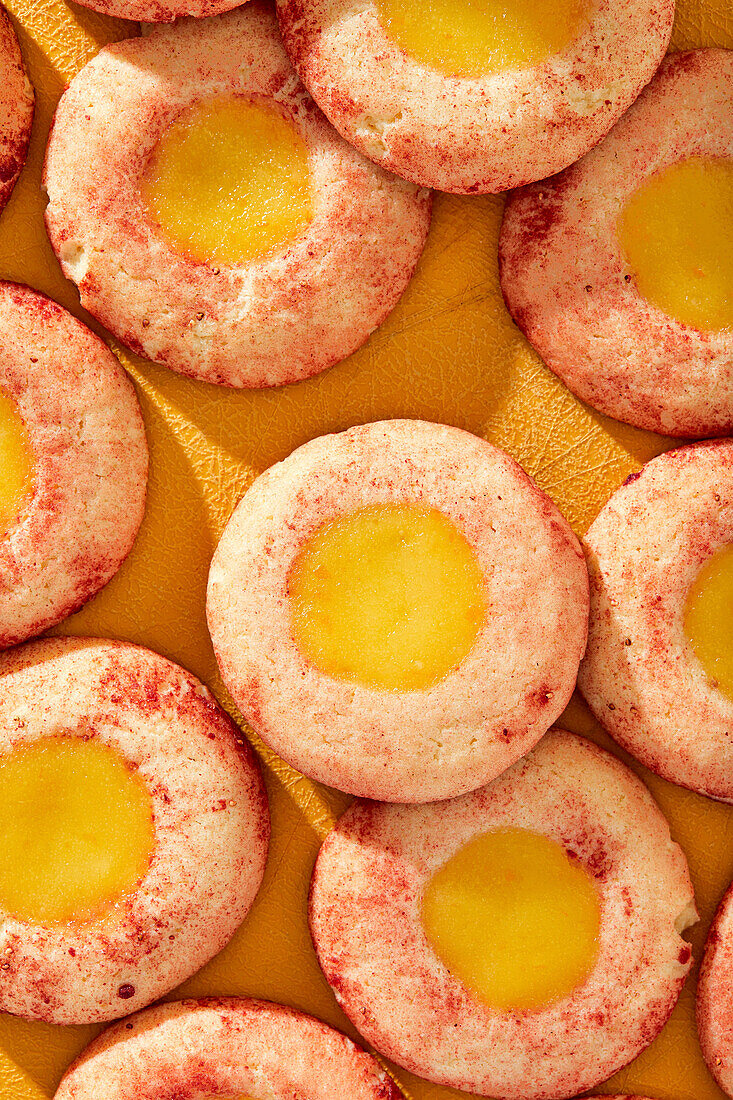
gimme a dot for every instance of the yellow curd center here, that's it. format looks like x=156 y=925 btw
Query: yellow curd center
x=229 y=181
x=676 y=231
x=17 y=467
x=390 y=596
x=473 y=37
x=514 y=919
x=77 y=830
x=709 y=619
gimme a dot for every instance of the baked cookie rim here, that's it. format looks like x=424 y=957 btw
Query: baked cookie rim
x=604 y=295
x=372 y=1082
x=662 y=600
x=713 y=987
x=129 y=955
x=343 y=961
x=503 y=95
x=160 y=11
x=206 y=300
x=60 y=450
x=19 y=135
x=249 y=622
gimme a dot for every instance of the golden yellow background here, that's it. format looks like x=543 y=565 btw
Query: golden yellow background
x=450 y=353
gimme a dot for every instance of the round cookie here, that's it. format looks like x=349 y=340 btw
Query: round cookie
x=367 y=904
x=16 y=109
x=483 y=709
x=574 y=288
x=485 y=131
x=69 y=414
x=224 y=1046
x=71 y=709
x=714 y=1007
x=279 y=317
x=640 y=675
x=161 y=11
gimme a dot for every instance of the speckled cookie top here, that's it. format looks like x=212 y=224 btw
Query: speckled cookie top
x=161 y=11
x=640 y=675
x=278 y=319
x=715 y=996
x=225 y=1046
x=365 y=919
x=473 y=134
x=16 y=109
x=209 y=814
x=567 y=281
x=415 y=745
x=88 y=441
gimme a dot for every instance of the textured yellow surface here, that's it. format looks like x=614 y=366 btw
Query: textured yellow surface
x=448 y=353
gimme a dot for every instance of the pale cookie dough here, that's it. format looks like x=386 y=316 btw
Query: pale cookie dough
x=229 y=1047
x=161 y=11
x=416 y=745
x=277 y=319
x=715 y=996
x=16 y=109
x=473 y=134
x=209 y=813
x=640 y=676
x=567 y=281
x=88 y=443
x=365 y=918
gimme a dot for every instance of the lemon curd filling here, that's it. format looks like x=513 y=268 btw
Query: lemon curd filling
x=390 y=596
x=474 y=37
x=229 y=181
x=709 y=619
x=17 y=466
x=77 y=830
x=514 y=918
x=676 y=232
